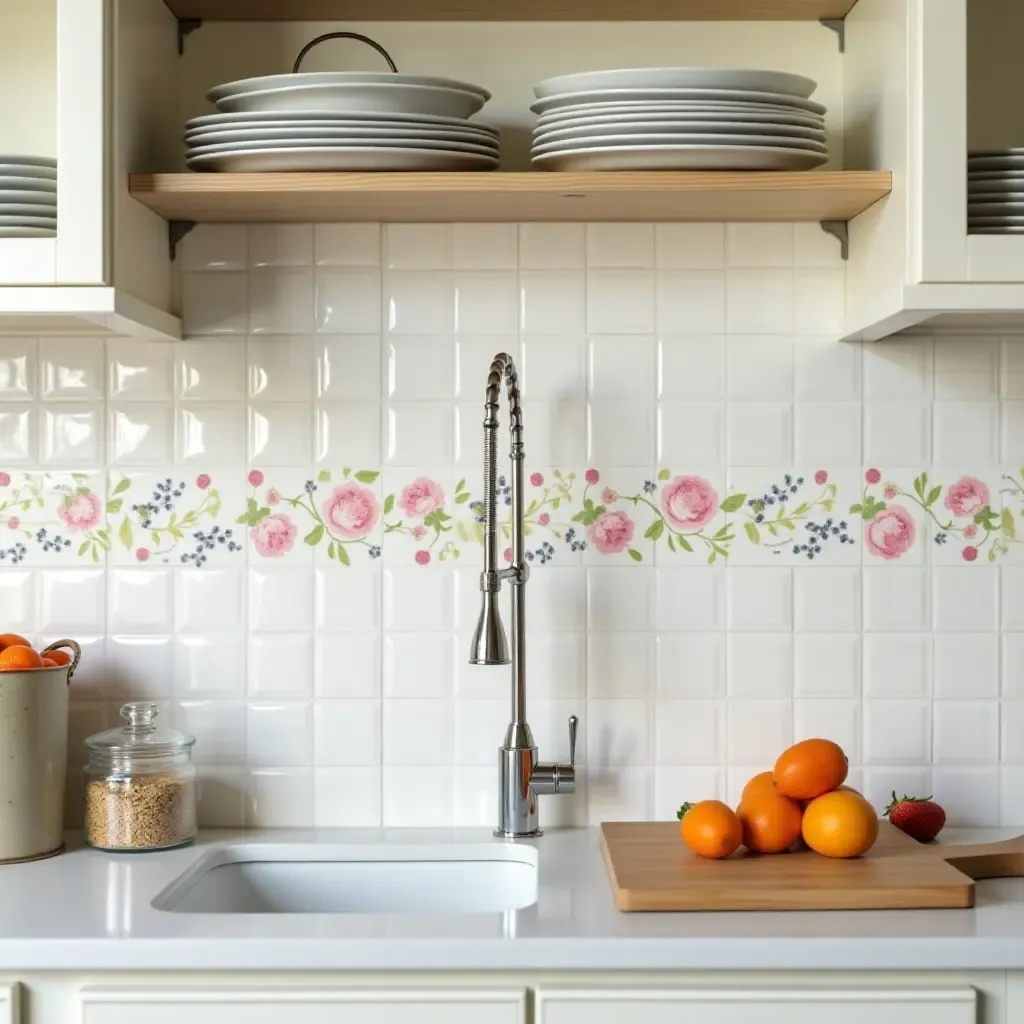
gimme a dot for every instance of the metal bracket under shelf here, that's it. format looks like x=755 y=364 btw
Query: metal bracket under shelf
x=840 y=230
x=838 y=25
x=186 y=26
x=177 y=230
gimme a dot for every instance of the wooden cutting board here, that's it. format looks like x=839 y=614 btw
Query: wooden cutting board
x=651 y=869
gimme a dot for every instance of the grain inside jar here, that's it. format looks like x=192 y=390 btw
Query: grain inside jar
x=140 y=785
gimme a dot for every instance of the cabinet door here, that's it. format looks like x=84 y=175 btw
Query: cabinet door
x=768 y=1006
x=301 y=1006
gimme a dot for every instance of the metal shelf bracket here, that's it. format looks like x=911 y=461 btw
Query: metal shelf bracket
x=840 y=230
x=177 y=230
x=186 y=26
x=838 y=25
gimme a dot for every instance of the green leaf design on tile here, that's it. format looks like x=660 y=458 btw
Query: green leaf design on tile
x=733 y=503
x=343 y=555
x=367 y=476
x=122 y=486
x=655 y=530
x=635 y=555
x=125 y=534
x=314 y=536
x=752 y=532
x=324 y=476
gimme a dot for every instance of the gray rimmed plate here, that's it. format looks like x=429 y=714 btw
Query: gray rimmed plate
x=682 y=140
x=348 y=158
x=681 y=158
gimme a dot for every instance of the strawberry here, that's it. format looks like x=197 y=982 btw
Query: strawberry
x=921 y=819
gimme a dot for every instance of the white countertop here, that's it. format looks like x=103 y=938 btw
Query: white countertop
x=87 y=910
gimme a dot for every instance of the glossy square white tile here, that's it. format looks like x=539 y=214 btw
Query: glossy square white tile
x=690 y=665
x=759 y=367
x=217 y=725
x=759 y=301
x=819 y=301
x=72 y=601
x=139 y=668
x=215 y=303
x=965 y=600
x=827 y=433
x=691 y=368
x=552 y=246
x=418 y=732
x=216 y=247
x=419 y=664
x=897 y=665
x=18 y=599
x=620 y=245
x=824 y=371
x=348 y=301
x=967 y=369
x=827 y=600
x=620 y=302
x=347 y=733
x=622 y=367
x=553 y=302
x=347 y=797
x=282 y=300
x=347 y=665
x=18 y=434
x=72 y=436
x=479 y=728
x=420 y=797
x=140 y=601
x=419 y=433
x=349 y=601
x=280 y=434
x=690 y=599
x=621 y=432
x=970 y=796
x=619 y=732
x=210 y=665
x=136 y=371
x=966 y=665
x=902 y=370
x=620 y=665
x=690 y=301
x=759 y=600
x=760 y=434
x=966 y=432
x=420 y=302
x=486 y=247
x=420 y=368
x=349 y=367
x=758 y=730
x=280 y=369
x=280 y=245
x=839 y=720
x=896 y=600
x=486 y=302
x=19 y=369
x=71 y=368
x=966 y=732
x=759 y=245
x=897 y=433
x=692 y=433
x=280 y=665
x=689 y=732
x=419 y=246
x=347 y=245
x=210 y=369
x=689 y=246
x=279 y=798
x=348 y=433
x=279 y=734
x=897 y=732
x=827 y=664
x=760 y=665
x=221 y=796
x=209 y=432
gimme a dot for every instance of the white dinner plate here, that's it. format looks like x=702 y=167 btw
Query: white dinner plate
x=372 y=143
x=29 y=209
x=996 y=222
x=6 y=232
x=997 y=209
x=679 y=128
x=11 y=183
x=1009 y=151
x=981 y=230
x=678 y=78
x=25 y=196
x=357 y=79
x=28 y=161
x=353 y=158
x=995 y=163
x=678 y=112
x=46 y=174
x=397 y=99
x=22 y=221
x=579 y=99
x=681 y=158
x=650 y=139
x=340 y=135
x=286 y=118
x=984 y=199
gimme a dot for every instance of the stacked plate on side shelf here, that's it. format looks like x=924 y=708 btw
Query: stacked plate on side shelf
x=995 y=192
x=28 y=196
x=706 y=119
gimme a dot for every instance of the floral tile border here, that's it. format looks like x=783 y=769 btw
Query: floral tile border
x=357 y=515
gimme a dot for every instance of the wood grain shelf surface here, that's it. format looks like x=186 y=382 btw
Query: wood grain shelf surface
x=511 y=10
x=510 y=196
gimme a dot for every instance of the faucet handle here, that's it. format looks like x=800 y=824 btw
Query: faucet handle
x=573 y=723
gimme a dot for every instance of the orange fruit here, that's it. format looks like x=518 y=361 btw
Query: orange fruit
x=810 y=768
x=58 y=657
x=763 y=783
x=840 y=824
x=771 y=823
x=18 y=658
x=49 y=664
x=12 y=640
x=710 y=829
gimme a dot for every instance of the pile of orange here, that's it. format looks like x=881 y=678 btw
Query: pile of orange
x=18 y=655
x=802 y=799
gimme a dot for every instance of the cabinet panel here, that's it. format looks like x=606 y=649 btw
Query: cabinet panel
x=301 y=1006
x=771 y=1006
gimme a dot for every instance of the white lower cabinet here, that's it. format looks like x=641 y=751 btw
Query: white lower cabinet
x=767 y=1006
x=255 y=1005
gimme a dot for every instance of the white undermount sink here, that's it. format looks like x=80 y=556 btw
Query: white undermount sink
x=469 y=878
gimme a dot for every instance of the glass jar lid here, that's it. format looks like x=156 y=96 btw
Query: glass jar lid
x=141 y=737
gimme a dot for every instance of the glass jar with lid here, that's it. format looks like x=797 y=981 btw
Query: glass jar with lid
x=140 y=784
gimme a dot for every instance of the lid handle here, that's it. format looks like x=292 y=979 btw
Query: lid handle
x=141 y=716
x=343 y=35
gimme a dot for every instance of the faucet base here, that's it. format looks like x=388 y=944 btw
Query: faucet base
x=501 y=834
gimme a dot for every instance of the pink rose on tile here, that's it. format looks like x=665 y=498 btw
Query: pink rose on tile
x=5 y=479
x=967 y=497
x=969 y=554
x=274 y=536
x=611 y=532
x=821 y=477
x=689 y=502
x=421 y=497
x=13 y=523
x=608 y=497
x=890 y=492
x=203 y=481
x=537 y=479
x=970 y=530
x=273 y=497
x=872 y=476
x=256 y=478
x=543 y=519
x=82 y=514
x=419 y=532
x=891 y=533
x=142 y=554
x=351 y=511
x=508 y=554
x=422 y=558
x=592 y=476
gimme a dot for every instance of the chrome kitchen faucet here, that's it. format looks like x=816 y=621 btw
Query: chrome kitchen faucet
x=523 y=777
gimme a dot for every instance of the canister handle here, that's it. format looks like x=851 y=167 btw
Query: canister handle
x=76 y=653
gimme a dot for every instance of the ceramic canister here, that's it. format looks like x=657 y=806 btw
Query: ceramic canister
x=33 y=758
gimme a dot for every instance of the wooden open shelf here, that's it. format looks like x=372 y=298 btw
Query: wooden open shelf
x=504 y=196
x=511 y=10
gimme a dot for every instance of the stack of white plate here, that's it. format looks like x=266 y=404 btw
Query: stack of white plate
x=678 y=119
x=995 y=192
x=343 y=121
x=28 y=196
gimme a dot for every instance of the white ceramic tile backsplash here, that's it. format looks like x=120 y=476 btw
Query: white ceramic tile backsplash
x=271 y=527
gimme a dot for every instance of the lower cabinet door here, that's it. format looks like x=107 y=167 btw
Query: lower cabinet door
x=766 y=1006
x=256 y=1005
